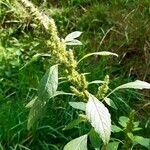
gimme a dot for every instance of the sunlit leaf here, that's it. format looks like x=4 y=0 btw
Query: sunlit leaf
x=46 y=90
x=72 y=36
x=30 y=104
x=110 y=103
x=115 y=129
x=79 y=143
x=103 y=53
x=49 y=83
x=140 y=140
x=74 y=42
x=36 y=113
x=123 y=121
x=96 y=82
x=99 y=117
x=133 y=85
x=78 y=105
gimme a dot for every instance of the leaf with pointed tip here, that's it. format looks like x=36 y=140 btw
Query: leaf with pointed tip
x=78 y=105
x=110 y=103
x=133 y=85
x=49 y=83
x=123 y=121
x=74 y=123
x=79 y=143
x=95 y=139
x=103 y=53
x=140 y=140
x=112 y=146
x=99 y=117
x=74 y=42
x=96 y=82
x=72 y=36
x=116 y=129
x=36 y=113
x=31 y=103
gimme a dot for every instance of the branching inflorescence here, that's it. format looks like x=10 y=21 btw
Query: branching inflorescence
x=58 y=50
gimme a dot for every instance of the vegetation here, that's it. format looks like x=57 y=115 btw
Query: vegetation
x=58 y=92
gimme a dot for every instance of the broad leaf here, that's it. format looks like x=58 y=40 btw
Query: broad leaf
x=99 y=117
x=49 y=83
x=79 y=143
x=112 y=146
x=46 y=90
x=78 y=105
x=72 y=36
x=103 y=53
x=95 y=139
x=36 y=112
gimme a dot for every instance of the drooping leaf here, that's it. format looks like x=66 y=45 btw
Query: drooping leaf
x=95 y=139
x=103 y=53
x=99 y=117
x=112 y=146
x=72 y=36
x=36 y=113
x=49 y=83
x=79 y=143
x=78 y=105
x=110 y=103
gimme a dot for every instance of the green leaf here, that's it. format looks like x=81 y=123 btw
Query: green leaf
x=112 y=146
x=133 y=85
x=140 y=140
x=96 y=82
x=74 y=123
x=61 y=93
x=78 y=105
x=95 y=139
x=36 y=112
x=31 y=103
x=99 y=117
x=49 y=83
x=116 y=129
x=103 y=53
x=74 y=42
x=72 y=36
x=79 y=143
x=46 y=90
x=110 y=103
x=123 y=121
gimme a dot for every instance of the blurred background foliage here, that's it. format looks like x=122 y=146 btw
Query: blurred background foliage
x=120 y=26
